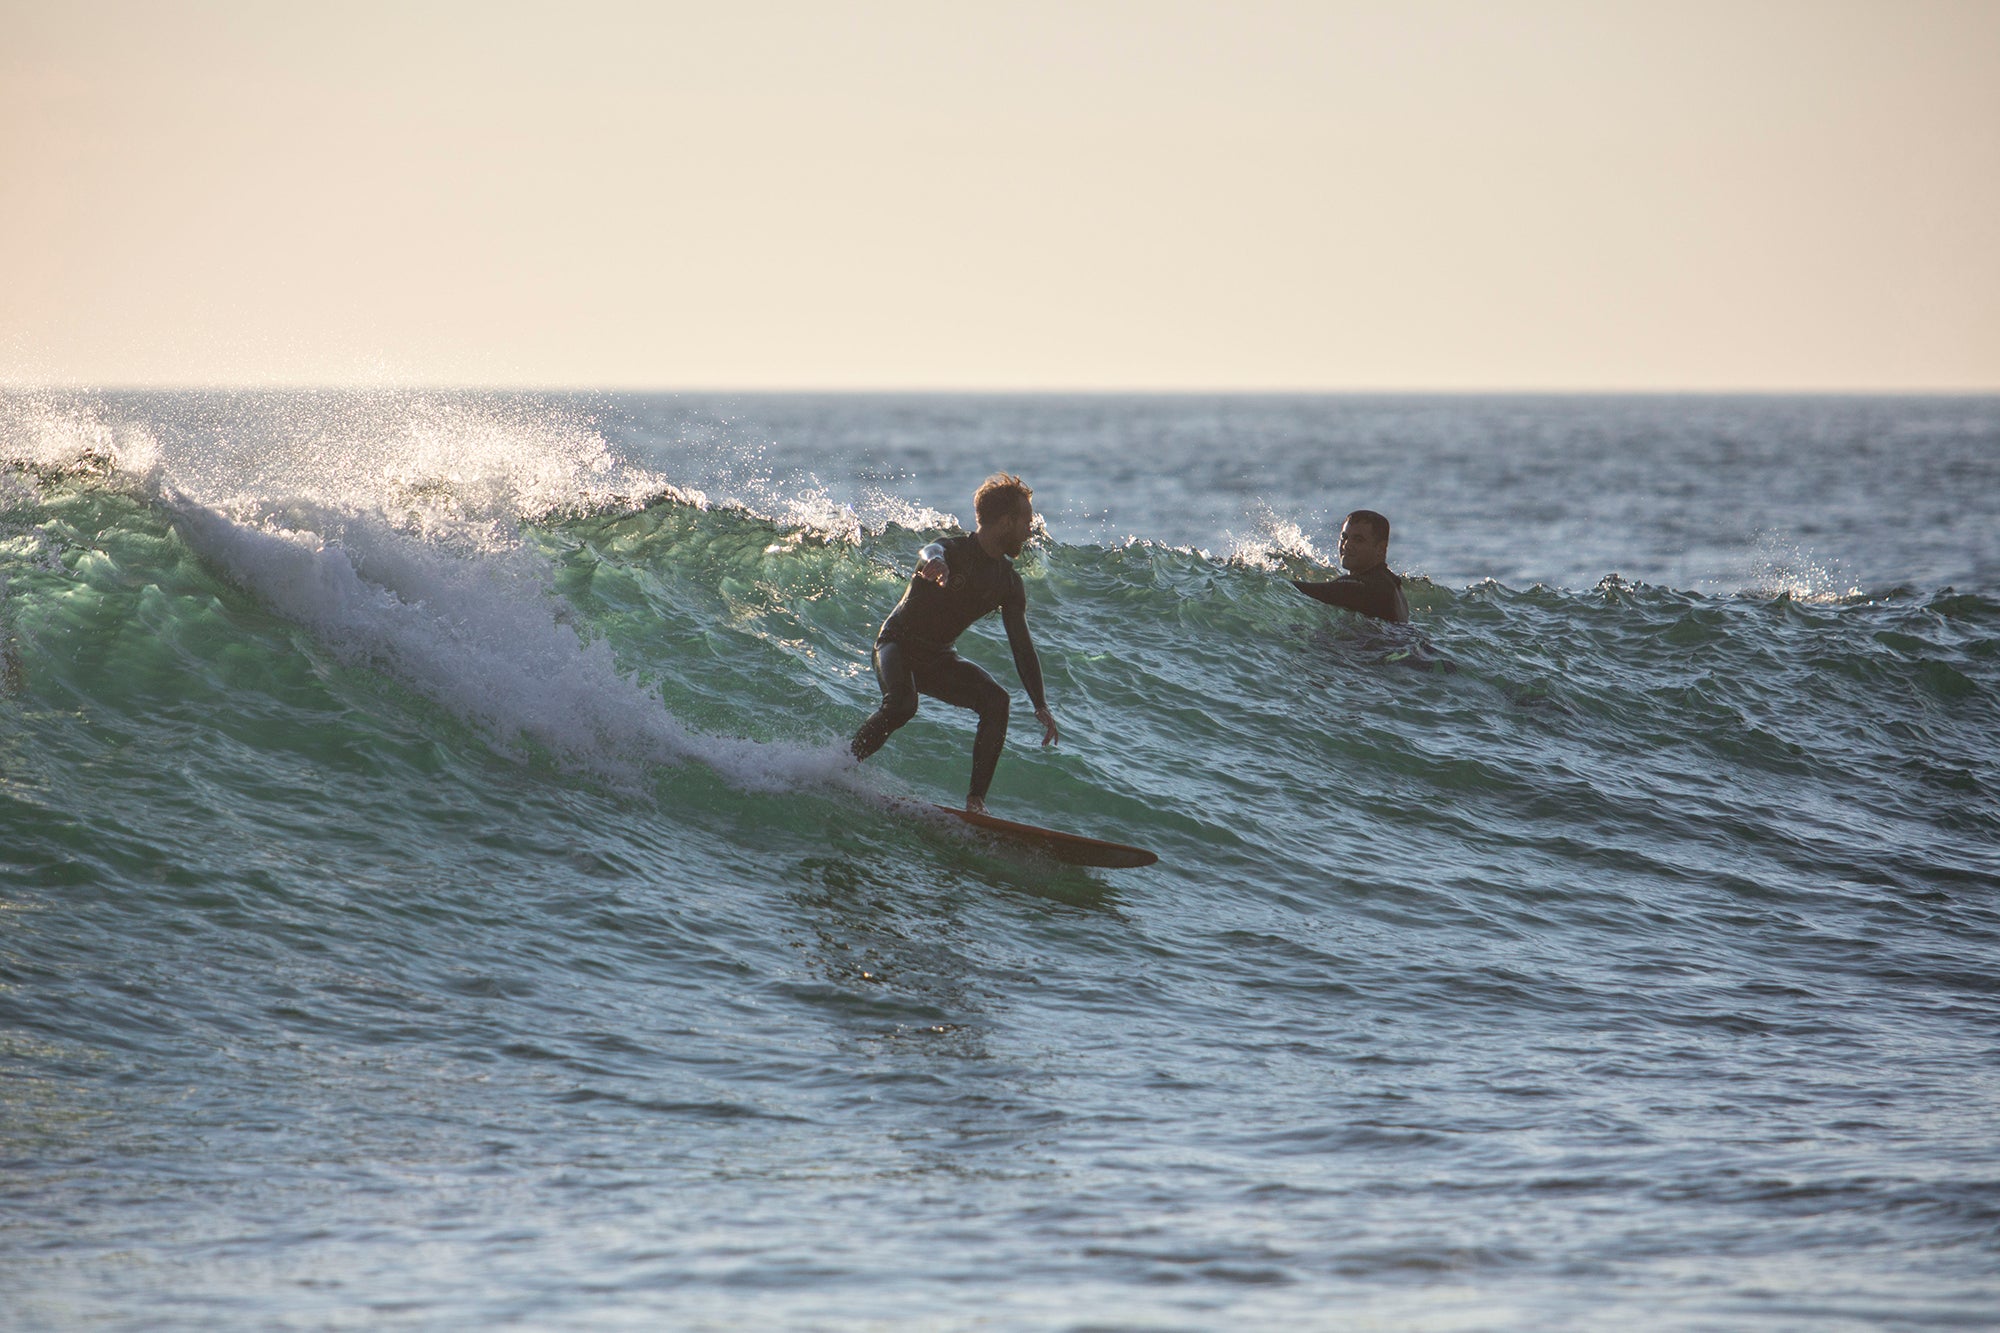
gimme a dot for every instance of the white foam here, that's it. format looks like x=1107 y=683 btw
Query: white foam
x=477 y=634
x=389 y=527
x=804 y=507
x=59 y=435
x=456 y=469
x=1781 y=568
x=808 y=509
x=1273 y=540
x=879 y=510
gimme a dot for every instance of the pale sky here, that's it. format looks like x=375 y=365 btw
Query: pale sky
x=1531 y=195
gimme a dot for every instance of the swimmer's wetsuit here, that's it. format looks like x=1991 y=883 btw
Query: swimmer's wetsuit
x=1375 y=592
x=913 y=652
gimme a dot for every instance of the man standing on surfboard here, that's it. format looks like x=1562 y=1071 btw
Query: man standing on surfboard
x=958 y=580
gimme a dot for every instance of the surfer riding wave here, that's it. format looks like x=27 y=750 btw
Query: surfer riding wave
x=958 y=581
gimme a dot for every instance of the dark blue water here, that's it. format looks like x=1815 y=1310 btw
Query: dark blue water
x=433 y=891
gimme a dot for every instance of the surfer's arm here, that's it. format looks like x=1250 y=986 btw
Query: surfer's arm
x=1377 y=593
x=1014 y=615
x=1359 y=595
x=1349 y=594
x=931 y=564
x=1340 y=593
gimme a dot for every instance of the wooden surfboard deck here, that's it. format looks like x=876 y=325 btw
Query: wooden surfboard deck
x=1073 y=848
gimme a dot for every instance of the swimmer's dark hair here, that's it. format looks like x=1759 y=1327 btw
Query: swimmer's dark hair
x=1375 y=521
x=1000 y=495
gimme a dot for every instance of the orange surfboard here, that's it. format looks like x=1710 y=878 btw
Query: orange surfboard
x=1073 y=848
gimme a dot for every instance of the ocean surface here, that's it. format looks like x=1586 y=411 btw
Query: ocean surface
x=434 y=892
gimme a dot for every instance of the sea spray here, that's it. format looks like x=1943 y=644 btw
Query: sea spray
x=432 y=888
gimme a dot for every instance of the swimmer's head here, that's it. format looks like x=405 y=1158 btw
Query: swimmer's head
x=1364 y=541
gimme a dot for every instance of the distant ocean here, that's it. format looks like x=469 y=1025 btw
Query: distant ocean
x=434 y=893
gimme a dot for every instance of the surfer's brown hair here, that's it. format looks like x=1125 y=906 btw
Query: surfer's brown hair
x=1000 y=495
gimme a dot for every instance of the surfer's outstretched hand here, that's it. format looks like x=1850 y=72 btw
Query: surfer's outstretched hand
x=934 y=569
x=1050 y=736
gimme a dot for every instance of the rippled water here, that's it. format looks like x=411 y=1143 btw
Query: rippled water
x=433 y=891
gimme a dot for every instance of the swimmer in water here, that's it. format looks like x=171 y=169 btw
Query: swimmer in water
x=959 y=580
x=1368 y=586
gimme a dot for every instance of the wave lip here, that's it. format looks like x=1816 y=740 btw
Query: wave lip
x=461 y=852
x=481 y=637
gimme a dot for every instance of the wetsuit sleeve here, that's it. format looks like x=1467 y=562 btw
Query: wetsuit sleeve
x=1014 y=615
x=1347 y=594
x=1382 y=599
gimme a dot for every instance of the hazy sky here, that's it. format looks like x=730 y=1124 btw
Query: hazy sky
x=1524 y=195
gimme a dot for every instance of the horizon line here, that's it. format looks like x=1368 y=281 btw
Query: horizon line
x=1000 y=391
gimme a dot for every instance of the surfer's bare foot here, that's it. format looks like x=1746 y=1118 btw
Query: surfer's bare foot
x=974 y=806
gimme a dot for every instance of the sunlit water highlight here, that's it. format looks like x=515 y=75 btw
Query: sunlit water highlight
x=433 y=890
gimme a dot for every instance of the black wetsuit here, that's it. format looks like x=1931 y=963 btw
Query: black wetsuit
x=1374 y=592
x=913 y=653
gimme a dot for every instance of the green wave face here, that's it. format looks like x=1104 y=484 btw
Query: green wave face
x=429 y=821
x=1205 y=705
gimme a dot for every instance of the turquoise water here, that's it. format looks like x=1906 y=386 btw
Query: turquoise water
x=433 y=892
